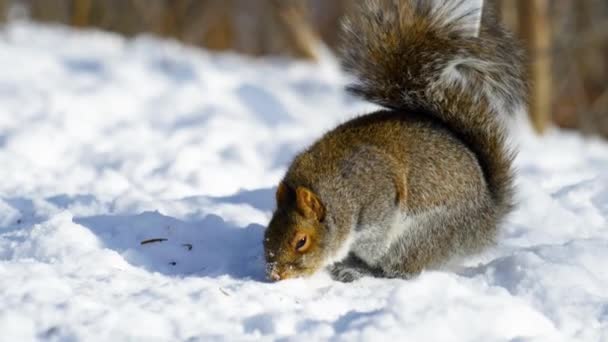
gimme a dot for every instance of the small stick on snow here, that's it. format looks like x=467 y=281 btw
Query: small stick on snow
x=145 y=242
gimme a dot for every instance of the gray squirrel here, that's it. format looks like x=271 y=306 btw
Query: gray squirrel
x=430 y=177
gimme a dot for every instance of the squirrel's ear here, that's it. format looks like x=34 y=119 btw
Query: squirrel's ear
x=283 y=193
x=309 y=205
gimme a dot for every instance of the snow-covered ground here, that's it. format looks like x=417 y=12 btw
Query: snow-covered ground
x=106 y=143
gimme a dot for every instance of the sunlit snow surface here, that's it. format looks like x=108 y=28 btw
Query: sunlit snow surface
x=106 y=143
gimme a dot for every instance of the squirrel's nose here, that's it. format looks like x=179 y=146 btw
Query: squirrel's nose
x=275 y=276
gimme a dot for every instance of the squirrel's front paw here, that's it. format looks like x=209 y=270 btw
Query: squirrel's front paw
x=344 y=273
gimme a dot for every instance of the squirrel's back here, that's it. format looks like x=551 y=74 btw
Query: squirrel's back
x=422 y=150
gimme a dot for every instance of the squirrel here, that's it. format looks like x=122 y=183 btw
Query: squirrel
x=427 y=178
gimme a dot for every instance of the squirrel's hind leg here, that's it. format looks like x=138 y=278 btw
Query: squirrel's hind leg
x=351 y=269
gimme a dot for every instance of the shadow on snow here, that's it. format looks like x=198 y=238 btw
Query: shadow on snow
x=158 y=243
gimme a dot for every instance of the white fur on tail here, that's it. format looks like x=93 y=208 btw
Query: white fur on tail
x=467 y=13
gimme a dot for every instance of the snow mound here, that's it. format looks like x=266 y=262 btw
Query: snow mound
x=137 y=176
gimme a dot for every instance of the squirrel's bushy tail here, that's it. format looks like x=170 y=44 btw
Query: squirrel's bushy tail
x=436 y=57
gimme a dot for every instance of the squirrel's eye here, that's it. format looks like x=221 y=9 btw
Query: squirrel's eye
x=301 y=243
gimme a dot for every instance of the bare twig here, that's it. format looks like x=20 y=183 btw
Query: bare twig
x=145 y=242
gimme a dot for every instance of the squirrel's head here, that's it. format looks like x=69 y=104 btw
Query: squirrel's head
x=294 y=239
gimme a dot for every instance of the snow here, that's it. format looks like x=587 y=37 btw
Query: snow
x=107 y=144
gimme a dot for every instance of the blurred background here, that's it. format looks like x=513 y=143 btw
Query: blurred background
x=567 y=40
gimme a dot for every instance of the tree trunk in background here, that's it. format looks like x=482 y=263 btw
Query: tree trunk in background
x=509 y=15
x=535 y=28
x=50 y=10
x=592 y=69
x=294 y=18
x=326 y=16
x=581 y=65
x=80 y=12
x=2 y=10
